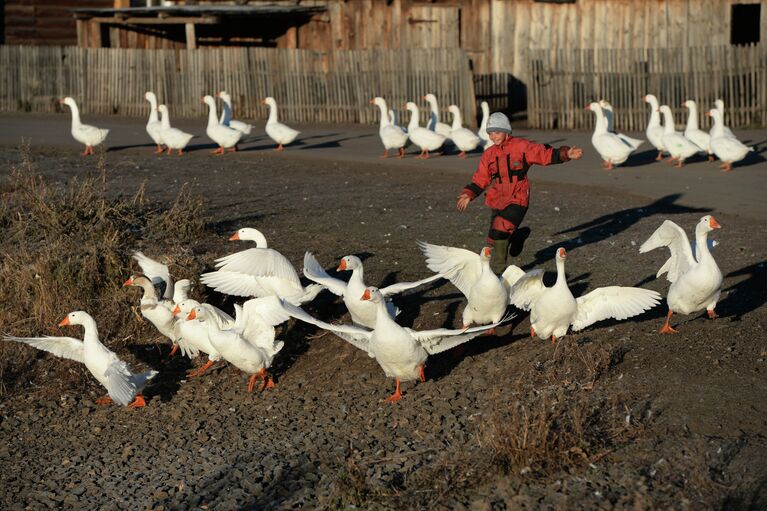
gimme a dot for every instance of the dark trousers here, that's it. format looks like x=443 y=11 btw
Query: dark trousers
x=503 y=222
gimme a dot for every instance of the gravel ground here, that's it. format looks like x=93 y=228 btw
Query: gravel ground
x=671 y=421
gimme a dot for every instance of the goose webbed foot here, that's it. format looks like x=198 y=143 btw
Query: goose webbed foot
x=200 y=371
x=106 y=400
x=138 y=402
x=712 y=313
x=397 y=394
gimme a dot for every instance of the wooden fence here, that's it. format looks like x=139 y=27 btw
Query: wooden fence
x=309 y=86
x=564 y=81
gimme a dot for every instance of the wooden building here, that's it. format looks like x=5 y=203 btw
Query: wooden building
x=499 y=36
x=42 y=22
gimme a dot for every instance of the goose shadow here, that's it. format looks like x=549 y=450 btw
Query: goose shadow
x=752 y=158
x=171 y=371
x=606 y=226
x=332 y=143
x=117 y=148
x=647 y=157
x=296 y=143
x=747 y=294
x=409 y=302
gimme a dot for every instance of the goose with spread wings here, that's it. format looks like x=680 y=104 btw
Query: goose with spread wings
x=401 y=352
x=363 y=312
x=258 y=272
x=696 y=280
x=123 y=386
x=554 y=310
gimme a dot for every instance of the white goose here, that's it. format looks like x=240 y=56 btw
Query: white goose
x=258 y=272
x=610 y=147
x=363 y=312
x=727 y=148
x=224 y=136
x=280 y=133
x=401 y=352
x=434 y=123
x=677 y=145
x=424 y=138
x=226 y=115
x=84 y=133
x=464 y=139
x=719 y=105
x=174 y=138
x=482 y=133
x=654 y=129
x=193 y=335
x=553 y=310
x=392 y=136
x=698 y=137
x=123 y=387
x=607 y=110
x=695 y=284
x=249 y=345
x=153 y=125
x=154 y=309
x=487 y=296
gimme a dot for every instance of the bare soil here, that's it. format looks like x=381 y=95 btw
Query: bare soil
x=615 y=417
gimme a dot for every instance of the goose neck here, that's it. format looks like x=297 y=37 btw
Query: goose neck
x=75 y=115
x=165 y=120
x=701 y=245
x=413 y=124
x=668 y=122
x=457 y=120
x=153 y=109
x=601 y=124
x=718 y=129
x=91 y=331
x=385 y=120
x=654 y=114
x=272 y=113
x=692 y=117
x=561 y=277
x=212 y=115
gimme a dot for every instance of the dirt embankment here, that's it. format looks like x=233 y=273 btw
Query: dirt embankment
x=616 y=416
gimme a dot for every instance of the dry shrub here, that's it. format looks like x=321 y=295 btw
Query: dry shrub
x=68 y=248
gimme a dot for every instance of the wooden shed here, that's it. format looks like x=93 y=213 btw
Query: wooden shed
x=502 y=38
x=497 y=35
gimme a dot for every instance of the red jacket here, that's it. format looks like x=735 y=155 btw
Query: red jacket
x=504 y=168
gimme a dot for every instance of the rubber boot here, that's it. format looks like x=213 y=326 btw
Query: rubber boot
x=499 y=256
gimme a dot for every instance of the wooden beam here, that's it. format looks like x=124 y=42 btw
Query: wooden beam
x=291 y=37
x=116 y=20
x=191 y=37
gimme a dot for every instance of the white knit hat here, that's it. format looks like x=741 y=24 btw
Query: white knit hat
x=498 y=122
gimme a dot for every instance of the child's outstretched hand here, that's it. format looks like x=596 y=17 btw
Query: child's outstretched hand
x=575 y=153
x=463 y=202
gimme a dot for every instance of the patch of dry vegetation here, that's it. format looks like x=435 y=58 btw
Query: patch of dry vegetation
x=68 y=248
x=554 y=419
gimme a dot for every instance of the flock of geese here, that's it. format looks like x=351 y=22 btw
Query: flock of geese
x=275 y=293
x=227 y=132
x=615 y=148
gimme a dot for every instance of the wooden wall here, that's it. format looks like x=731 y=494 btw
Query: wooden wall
x=43 y=22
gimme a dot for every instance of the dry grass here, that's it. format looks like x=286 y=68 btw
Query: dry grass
x=546 y=423
x=69 y=248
